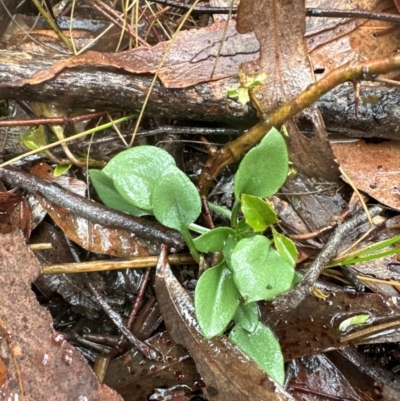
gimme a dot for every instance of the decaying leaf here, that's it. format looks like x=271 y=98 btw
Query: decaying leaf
x=190 y=61
x=70 y=286
x=313 y=326
x=14 y=214
x=333 y=42
x=227 y=372
x=135 y=377
x=284 y=58
x=42 y=365
x=318 y=375
x=91 y=236
x=373 y=168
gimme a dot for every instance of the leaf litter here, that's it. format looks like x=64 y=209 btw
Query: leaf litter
x=311 y=342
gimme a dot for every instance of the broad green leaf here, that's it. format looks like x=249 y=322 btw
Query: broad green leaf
x=263 y=347
x=246 y=316
x=259 y=271
x=259 y=214
x=61 y=169
x=264 y=169
x=359 y=319
x=110 y=196
x=214 y=240
x=216 y=300
x=228 y=249
x=175 y=199
x=135 y=171
x=285 y=247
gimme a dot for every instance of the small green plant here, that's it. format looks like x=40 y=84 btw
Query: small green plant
x=251 y=268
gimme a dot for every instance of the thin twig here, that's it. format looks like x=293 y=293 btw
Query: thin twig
x=51 y=120
x=310 y=12
x=117 y=320
x=139 y=262
x=92 y=211
x=303 y=289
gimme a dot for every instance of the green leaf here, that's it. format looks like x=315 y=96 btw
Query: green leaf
x=228 y=249
x=359 y=319
x=61 y=169
x=175 y=199
x=259 y=214
x=285 y=247
x=259 y=271
x=246 y=316
x=135 y=171
x=263 y=347
x=110 y=196
x=216 y=300
x=214 y=240
x=264 y=169
x=243 y=229
x=35 y=138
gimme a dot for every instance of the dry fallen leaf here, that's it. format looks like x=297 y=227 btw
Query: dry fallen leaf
x=41 y=365
x=228 y=373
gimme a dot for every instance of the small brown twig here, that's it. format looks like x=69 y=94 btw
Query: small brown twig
x=117 y=320
x=51 y=120
x=132 y=316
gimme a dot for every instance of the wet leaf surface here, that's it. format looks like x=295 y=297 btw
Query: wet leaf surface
x=318 y=204
x=284 y=58
x=189 y=62
x=14 y=214
x=42 y=365
x=70 y=286
x=319 y=379
x=313 y=327
x=373 y=168
x=216 y=357
x=92 y=236
x=135 y=377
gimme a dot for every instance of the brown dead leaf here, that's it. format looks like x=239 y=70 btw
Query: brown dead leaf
x=91 y=236
x=135 y=377
x=373 y=168
x=3 y=373
x=45 y=367
x=318 y=375
x=71 y=287
x=190 y=61
x=14 y=214
x=313 y=326
x=333 y=42
x=284 y=58
x=228 y=373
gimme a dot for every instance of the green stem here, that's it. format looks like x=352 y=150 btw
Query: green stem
x=189 y=242
x=235 y=212
x=220 y=209
x=198 y=229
